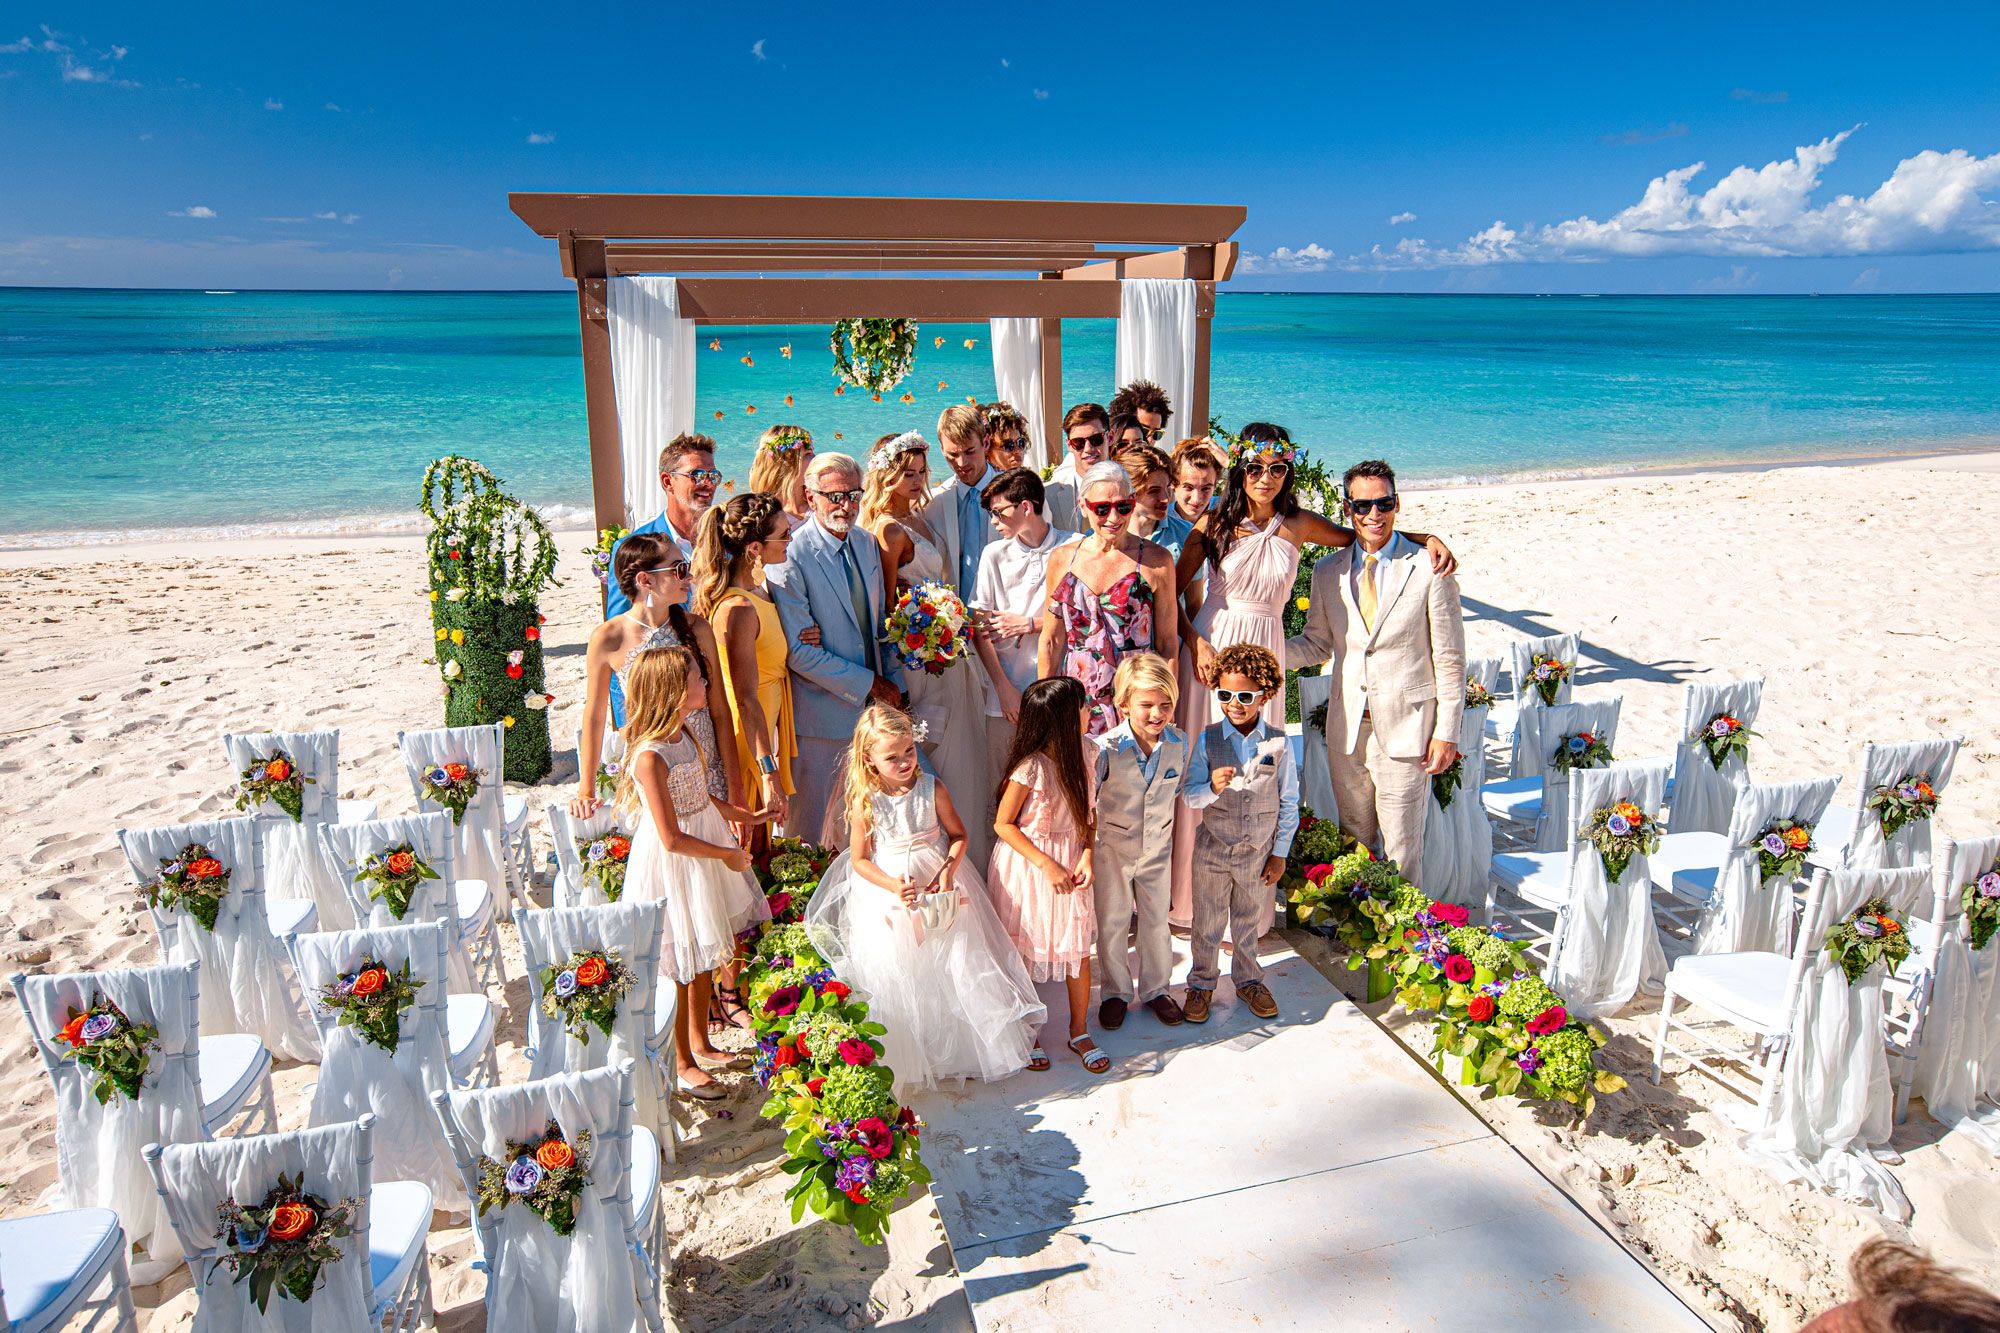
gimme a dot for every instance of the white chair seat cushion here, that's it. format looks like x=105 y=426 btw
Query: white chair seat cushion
x=472 y=900
x=1746 y=988
x=42 y=1254
x=645 y=1176
x=514 y=811
x=229 y=1063
x=287 y=916
x=1541 y=878
x=1696 y=884
x=354 y=812
x=1687 y=851
x=1516 y=799
x=1500 y=721
x=468 y=1028
x=399 y=1214
x=1831 y=836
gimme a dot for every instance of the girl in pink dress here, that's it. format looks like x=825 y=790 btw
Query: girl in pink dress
x=1236 y=573
x=1040 y=876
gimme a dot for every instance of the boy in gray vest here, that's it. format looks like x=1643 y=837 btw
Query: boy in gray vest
x=1141 y=764
x=1241 y=776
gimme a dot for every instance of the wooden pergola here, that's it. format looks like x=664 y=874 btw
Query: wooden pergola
x=856 y=257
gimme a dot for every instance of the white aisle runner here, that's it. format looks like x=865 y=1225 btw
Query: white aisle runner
x=1299 y=1174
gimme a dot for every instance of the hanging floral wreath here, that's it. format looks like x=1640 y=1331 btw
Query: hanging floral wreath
x=874 y=354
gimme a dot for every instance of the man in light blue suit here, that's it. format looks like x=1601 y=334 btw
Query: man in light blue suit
x=831 y=578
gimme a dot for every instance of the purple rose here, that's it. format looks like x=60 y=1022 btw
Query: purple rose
x=1618 y=826
x=1867 y=927
x=1718 y=728
x=1530 y=1060
x=99 y=1025
x=1989 y=884
x=565 y=984
x=170 y=869
x=524 y=1175
x=1774 y=844
x=1908 y=791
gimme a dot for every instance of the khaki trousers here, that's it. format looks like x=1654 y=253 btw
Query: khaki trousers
x=1383 y=800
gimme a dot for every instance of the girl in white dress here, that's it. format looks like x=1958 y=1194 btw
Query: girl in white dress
x=682 y=852
x=902 y=919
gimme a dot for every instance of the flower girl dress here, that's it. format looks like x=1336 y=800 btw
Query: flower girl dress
x=942 y=976
x=707 y=902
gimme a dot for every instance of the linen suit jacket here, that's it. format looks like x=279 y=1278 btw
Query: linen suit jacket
x=940 y=514
x=1408 y=673
x=830 y=679
x=1135 y=822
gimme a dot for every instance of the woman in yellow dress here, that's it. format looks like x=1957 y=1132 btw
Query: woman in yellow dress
x=734 y=543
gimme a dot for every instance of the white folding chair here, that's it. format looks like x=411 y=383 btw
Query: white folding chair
x=493 y=842
x=622 y=1240
x=294 y=866
x=247 y=984
x=1700 y=795
x=1907 y=992
x=1532 y=803
x=1457 y=864
x=1751 y=992
x=571 y=889
x=466 y=905
x=1486 y=670
x=382 y=1278
x=1713 y=883
x=1521 y=719
x=1958 y=1065
x=1853 y=833
x=51 y=1265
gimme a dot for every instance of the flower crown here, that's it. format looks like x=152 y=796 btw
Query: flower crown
x=786 y=441
x=886 y=454
x=1236 y=448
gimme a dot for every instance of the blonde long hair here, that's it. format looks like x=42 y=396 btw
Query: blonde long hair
x=773 y=471
x=859 y=783
x=882 y=478
x=655 y=688
x=721 y=541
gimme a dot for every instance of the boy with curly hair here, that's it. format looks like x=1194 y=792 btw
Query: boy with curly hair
x=1241 y=776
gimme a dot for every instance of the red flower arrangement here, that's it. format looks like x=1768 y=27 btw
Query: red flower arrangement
x=1547 y=1021
x=1480 y=1008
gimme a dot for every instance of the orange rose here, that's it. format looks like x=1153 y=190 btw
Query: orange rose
x=1888 y=926
x=456 y=772
x=72 y=1031
x=591 y=972
x=555 y=1155
x=277 y=770
x=619 y=848
x=1629 y=810
x=205 y=867
x=370 y=981
x=289 y=1221
x=1797 y=837
x=1924 y=790
x=401 y=863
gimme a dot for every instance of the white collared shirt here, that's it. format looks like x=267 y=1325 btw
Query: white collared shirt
x=1390 y=550
x=1013 y=577
x=1120 y=737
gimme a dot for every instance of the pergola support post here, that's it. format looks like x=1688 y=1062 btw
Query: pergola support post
x=600 y=397
x=1195 y=423
x=1052 y=394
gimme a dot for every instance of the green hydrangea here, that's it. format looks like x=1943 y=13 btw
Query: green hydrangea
x=1567 y=1060
x=1526 y=997
x=791 y=868
x=891 y=1181
x=824 y=1034
x=792 y=941
x=853 y=1091
x=1484 y=948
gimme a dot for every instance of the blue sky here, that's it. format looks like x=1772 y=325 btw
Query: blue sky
x=1537 y=148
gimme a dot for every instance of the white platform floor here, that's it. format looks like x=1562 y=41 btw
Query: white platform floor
x=1301 y=1173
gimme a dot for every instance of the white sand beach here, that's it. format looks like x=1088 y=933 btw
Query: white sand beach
x=1868 y=597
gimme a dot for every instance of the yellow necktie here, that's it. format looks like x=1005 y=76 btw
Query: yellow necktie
x=1367 y=598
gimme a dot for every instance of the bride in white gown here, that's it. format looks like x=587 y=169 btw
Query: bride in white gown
x=903 y=920
x=950 y=706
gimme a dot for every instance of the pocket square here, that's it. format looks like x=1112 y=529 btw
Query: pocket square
x=1171 y=773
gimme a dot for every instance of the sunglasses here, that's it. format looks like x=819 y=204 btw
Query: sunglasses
x=674 y=569
x=1385 y=505
x=1080 y=442
x=1154 y=432
x=700 y=476
x=1238 y=696
x=1012 y=445
x=852 y=497
x=1275 y=471
x=1106 y=508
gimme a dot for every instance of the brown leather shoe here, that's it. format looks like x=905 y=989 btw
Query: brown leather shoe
x=1195 y=1008
x=1166 y=1010
x=1258 y=998
x=1111 y=1015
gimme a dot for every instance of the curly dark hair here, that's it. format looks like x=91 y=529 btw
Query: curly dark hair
x=1254 y=662
x=1142 y=396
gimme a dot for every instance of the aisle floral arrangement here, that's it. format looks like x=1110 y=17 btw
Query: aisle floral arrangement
x=194 y=882
x=111 y=1046
x=1723 y=735
x=546 y=1175
x=392 y=875
x=1898 y=803
x=282 y=1243
x=603 y=860
x=1874 y=934
x=371 y=1000
x=852 y=1149
x=275 y=779
x=1980 y=901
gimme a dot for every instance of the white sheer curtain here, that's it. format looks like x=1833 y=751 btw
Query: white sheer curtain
x=293 y=864
x=538 y=1281
x=1744 y=915
x=652 y=376
x=1315 y=765
x=1156 y=340
x=97 y=1145
x=1958 y=1069
x=632 y=930
x=1458 y=838
x=357 y=1077
x=1703 y=793
x=1834 y=1101
x=1608 y=949
x=200 y=1176
x=1017 y=374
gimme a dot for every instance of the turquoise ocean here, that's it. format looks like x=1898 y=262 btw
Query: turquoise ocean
x=191 y=413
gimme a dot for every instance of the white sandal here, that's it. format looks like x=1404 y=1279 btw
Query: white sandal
x=1094 y=1060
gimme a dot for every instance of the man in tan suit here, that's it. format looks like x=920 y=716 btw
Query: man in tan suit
x=1395 y=628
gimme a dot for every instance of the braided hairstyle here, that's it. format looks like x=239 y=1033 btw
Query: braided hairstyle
x=642 y=551
x=722 y=541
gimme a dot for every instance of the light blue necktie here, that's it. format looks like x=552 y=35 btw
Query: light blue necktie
x=972 y=534
x=857 y=592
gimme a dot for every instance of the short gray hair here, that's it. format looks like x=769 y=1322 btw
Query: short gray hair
x=1106 y=473
x=824 y=463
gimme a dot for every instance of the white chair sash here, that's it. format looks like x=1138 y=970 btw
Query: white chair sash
x=481 y=851
x=1834 y=1101
x=1743 y=916
x=633 y=930
x=1704 y=794
x=1958 y=1066
x=1528 y=703
x=199 y=1177
x=294 y=862
x=1315 y=760
x=571 y=888
x=1608 y=949
x=1599 y=717
x=1485 y=670
x=247 y=983
x=431 y=837
x=357 y=1077
x=1885 y=764
x=536 y=1280
x=1458 y=839
x=98 y=1162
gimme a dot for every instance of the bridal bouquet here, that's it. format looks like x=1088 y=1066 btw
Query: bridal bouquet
x=604 y=862
x=546 y=1175
x=930 y=628
x=1619 y=833
x=1582 y=750
x=1721 y=736
x=1900 y=803
x=1872 y=935
x=111 y=1046
x=195 y=882
x=1547 y=675
x=584 y=991
x=275 y=779
x=1782 y=848
x=371 y=999
x=392 y=875
x=452 y=786
x=282 y=1243
x=1981 y=903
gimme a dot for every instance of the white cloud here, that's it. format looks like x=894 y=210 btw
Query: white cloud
x=195 y=211
x=1004 y=64
x=541 y=138
x=1867 y=280
x=285 y=221
x=28 y=44
x=1932 y=203
x=273 y=104
x=1312 y=257
x=1041 y=94
x=1398 y=219
x=334 y=106
x=348 y=219
x=757 y=49
x=75 y=69
x=1742 y=278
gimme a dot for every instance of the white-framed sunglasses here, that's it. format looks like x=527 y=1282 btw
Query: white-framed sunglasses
x=1238 y=696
